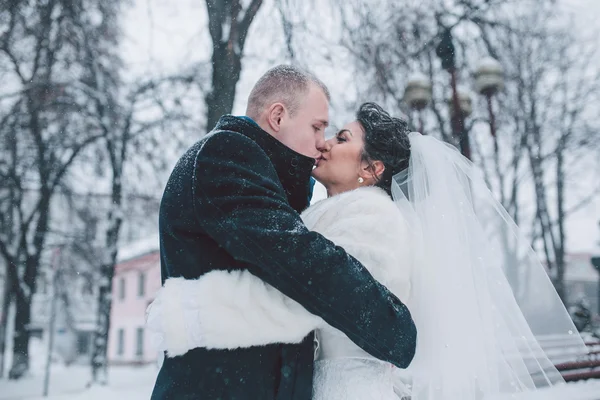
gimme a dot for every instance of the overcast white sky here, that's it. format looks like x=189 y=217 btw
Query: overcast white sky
x=160 y=36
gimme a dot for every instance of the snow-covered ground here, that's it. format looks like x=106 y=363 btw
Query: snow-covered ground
x=585 y=390
x=68 y=383
x=135 y=383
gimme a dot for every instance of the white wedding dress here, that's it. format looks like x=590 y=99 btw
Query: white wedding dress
x=345 y=371
x=214 y=310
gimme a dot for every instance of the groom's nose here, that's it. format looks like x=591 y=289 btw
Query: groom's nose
x=321 y=143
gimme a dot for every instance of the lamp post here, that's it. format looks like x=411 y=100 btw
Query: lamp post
x=418 y=95
x=460 y=106
x=596 y=264
x=489 y=79
x=465 y=103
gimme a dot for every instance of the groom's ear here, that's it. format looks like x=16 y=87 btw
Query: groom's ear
x=275 y=115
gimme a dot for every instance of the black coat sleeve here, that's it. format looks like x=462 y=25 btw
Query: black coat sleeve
x=240 y=203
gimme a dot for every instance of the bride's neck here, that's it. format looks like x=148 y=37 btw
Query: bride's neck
x=334 y=191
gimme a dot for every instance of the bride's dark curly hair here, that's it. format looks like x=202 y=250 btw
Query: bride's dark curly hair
x=386 y=140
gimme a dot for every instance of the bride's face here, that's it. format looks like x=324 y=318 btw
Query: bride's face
x=341 y=163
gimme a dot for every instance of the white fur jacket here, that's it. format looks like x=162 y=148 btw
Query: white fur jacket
x=227 y=310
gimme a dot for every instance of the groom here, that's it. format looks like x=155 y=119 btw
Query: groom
x=233 y=202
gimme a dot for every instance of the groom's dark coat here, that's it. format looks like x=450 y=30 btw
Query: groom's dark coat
x=233 y=202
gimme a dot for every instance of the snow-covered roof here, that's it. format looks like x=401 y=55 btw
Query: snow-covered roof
x=138 y=248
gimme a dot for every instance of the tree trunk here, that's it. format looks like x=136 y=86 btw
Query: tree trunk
x=99 y=353
x=101 y=334
x=20 y=363
x=27 y=287
x=6 y=301
x=228 y=24
x=226 y=73
x=551 y=248
x=560 y=248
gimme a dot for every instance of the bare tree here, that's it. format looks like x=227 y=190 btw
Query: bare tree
x=45 y=123
x=72 y=103
x=124 y=133
x=129 y=116
x=229 y=23
x=551 y=96
x=545 y=114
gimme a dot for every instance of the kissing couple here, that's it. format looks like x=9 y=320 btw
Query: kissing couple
x=397 y=285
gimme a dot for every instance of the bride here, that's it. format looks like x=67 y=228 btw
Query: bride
x=420 y=218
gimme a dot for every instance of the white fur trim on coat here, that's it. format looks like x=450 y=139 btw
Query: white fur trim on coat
x=227 y=310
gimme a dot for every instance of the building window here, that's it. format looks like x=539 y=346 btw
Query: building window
x=83 y=343
x=139 y=342
x=87 y=284
x=91 y=229
x=141 y=284
x=36 y=332
x=42 y=285
x=122 y=289
x=121 y=342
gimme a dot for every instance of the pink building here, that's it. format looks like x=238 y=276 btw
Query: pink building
x=136 y=280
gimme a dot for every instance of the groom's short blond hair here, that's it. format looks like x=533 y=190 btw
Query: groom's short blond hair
x=284 y=84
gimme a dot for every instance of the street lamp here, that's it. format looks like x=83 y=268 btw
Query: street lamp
x=489 y=80
x=445 y=51
x=418 y=95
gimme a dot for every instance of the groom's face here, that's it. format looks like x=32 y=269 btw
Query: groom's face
x=304 y=131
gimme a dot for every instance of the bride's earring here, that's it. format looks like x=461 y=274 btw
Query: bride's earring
x=360 y=180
